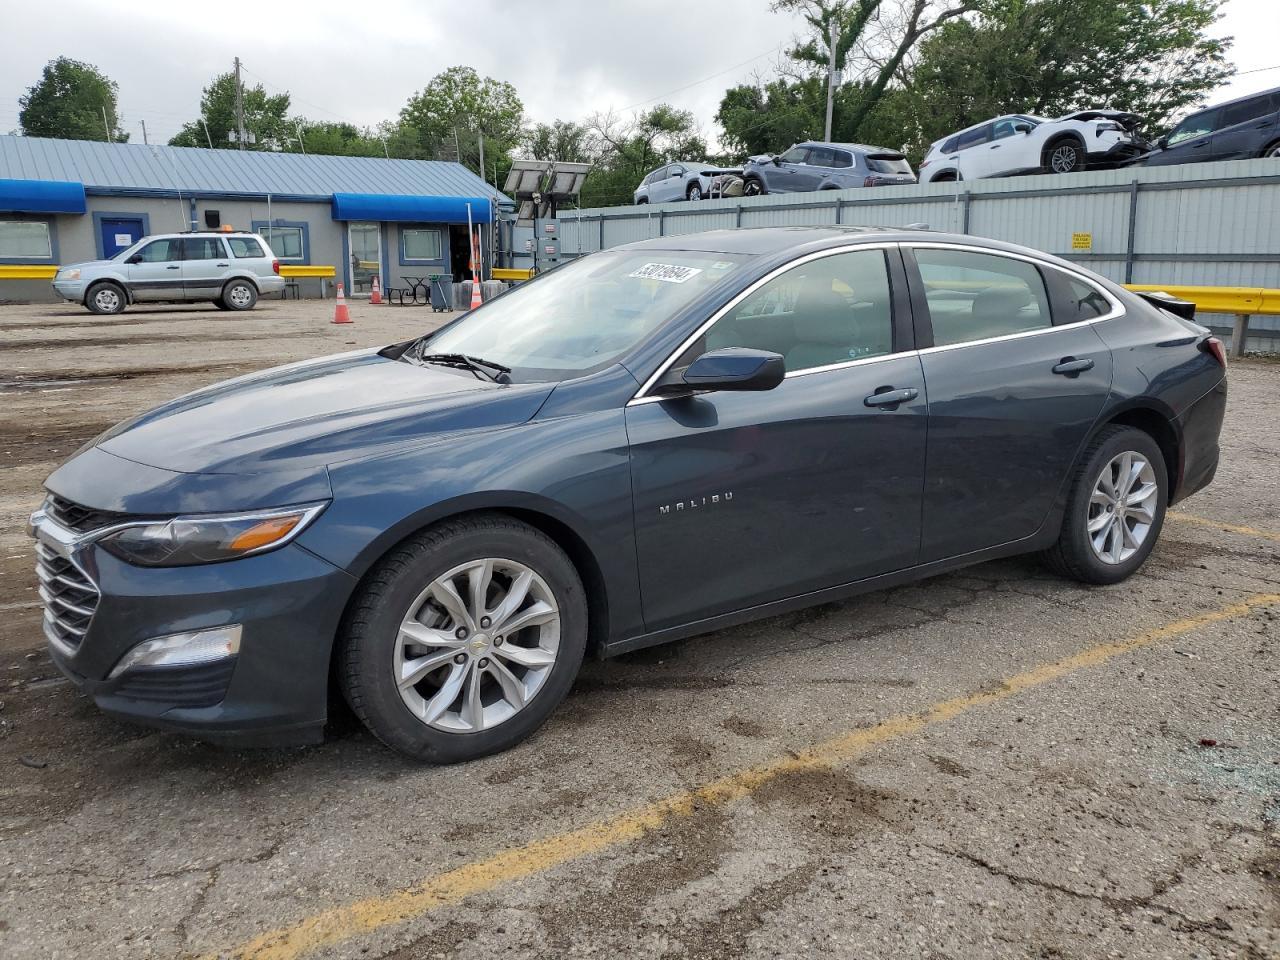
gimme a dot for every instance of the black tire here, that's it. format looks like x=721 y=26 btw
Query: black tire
x=753 y=187
x=105 y=298
x=239 y=295
x=220 y=304
x=371 y=630
x=1065 y=155
x=1073 y=555
x=1271 y=151
x=947 y=176
x=694 y=192
x=642 y=200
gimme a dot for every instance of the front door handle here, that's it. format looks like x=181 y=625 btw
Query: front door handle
x=1070 y=366
x=173 y=266
x=889 y=397
x=223 y=264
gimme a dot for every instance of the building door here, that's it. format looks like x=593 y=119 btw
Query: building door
x=365 y=241
x=119 y=233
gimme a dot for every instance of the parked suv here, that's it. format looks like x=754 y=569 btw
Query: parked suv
x=825 y=166
x=229 y=269
x=1237 y=130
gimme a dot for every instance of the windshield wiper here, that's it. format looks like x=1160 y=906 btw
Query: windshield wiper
x=481 y=368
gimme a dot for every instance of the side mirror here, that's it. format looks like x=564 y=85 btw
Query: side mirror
x=777 y=160
x=1162 y=143
x=730 y=368
x=136 y=258
x=1023 y=127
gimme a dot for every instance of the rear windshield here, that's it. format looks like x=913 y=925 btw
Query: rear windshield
x=245 y=247
x=887 y=163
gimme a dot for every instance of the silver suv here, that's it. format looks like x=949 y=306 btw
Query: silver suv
x=229 y=269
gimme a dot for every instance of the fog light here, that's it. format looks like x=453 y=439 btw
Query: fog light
x=182 y=649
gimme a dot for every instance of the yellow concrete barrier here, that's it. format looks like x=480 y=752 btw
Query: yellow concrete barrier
x=511 y=273
x=22 y=271
x=1237 y=300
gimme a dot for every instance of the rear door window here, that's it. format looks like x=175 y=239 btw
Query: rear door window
x=1075 y=301
x=821 y=157
x=841 y=159
x=977 y=296
x=245 y=247
x=1252 y=109
x=974 y=137
x=202 y=248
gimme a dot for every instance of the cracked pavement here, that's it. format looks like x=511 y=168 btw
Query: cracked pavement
x=1086 y=816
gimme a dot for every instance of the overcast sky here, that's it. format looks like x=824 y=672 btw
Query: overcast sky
x=359 y=61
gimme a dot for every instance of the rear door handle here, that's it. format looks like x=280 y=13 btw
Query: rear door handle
x=223 y=264
x=1071 y=366
x=173 y=266
x=889 y=397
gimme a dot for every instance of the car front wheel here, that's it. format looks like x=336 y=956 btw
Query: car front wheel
x=105 y=298
x=1115 y=509
x=694 y=192
x=753 y=187
x=464 y=639
x=1065 y=156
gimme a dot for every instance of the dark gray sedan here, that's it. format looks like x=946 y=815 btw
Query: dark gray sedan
x=649 y=443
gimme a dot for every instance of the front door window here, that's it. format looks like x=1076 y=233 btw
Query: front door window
x=366 y=255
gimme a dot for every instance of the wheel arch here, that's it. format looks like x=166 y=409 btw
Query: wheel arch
x=1062 y=137
x=1159 y=423
x=242 y=276
x=116 y=282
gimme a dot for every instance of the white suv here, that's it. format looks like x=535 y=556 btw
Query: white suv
x=230 y=270
x=1019 y=143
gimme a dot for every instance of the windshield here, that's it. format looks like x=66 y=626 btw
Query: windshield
x=584 y=315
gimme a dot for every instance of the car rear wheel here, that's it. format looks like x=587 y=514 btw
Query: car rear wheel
x=1115 y=509
x=464 y=639
x=239 y=295
x=1272 y=151
x=694 y=192
x=105 y=298
x=1064 y=156
x=753 y=187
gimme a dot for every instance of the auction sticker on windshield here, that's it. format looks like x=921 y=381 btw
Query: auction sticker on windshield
x=667 y=272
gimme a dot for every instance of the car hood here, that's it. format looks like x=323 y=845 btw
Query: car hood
x=85 y=264
x=318 y=412
x=1130 y=121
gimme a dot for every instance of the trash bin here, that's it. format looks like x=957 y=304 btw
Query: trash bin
x=441 y=293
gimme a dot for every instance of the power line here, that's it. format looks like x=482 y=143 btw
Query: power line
x=705 y=79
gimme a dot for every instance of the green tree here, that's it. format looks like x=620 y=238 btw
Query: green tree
x=770 y=117
x=627 y=149
x=560 y=140
x=447 y=117
x=335 y=139
x=266 y=117
x=68 y=102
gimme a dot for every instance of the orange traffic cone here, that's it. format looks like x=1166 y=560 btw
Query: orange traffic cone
x=475 y=293
x=375 y=294
x=340 y=314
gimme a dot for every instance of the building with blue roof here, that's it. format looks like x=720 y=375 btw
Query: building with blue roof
x=67 y=201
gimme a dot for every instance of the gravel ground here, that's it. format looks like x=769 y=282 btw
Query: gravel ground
x=994 y=763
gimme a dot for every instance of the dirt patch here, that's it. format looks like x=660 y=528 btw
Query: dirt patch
x=745 y=728
x=838 y=806
x=21 y=445
x=950 y=767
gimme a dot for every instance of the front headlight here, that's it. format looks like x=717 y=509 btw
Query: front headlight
x=68 y=275
x=184 y=541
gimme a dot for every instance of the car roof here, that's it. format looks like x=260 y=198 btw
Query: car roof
x=759 y=241
x=1227 y=103
x=863 y=147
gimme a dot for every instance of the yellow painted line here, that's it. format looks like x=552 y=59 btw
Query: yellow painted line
x=1219 y=525
x=338 y=924
x=22 y=271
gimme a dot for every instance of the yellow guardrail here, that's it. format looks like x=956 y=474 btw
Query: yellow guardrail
x=1238 y=300
x=22 y=271
x=511 y=273
x=301 y=270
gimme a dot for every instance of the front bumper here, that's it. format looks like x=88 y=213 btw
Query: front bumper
x=1117 y=155
x=69 y=289
x=273 y=692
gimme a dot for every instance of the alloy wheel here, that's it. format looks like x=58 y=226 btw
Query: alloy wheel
x=1122 y=508
x=1064 y=158
x=1274 y=151
x=695 y=192
x=477 y=645
x=107 y=300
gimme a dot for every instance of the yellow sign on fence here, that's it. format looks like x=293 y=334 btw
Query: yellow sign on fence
x=1082 y=241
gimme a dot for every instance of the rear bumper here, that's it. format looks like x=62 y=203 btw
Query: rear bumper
x=271 y=284
x=1200 y=426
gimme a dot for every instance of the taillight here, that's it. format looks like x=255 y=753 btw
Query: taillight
x=275 y=266
x=925 y=162
x=869 y=181
x=1214 y=346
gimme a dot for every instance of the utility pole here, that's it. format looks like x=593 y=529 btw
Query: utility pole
x=239 y=107
x=302 y=146
x=206 y=132
x=481 y=134
x=106 y=126
x=145 y=141
x=831 y=74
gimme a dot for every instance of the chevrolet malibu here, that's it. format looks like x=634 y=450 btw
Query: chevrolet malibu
x=649 y=443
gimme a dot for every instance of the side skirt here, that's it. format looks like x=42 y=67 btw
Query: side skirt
x=1041 y=540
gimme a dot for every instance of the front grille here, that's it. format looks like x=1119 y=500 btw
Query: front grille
x=70 y=598
x=77 y=518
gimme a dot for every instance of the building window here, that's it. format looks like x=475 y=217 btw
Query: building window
x=420 y=244
x=287 y=239
x=25 y=240
x=245 y=247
